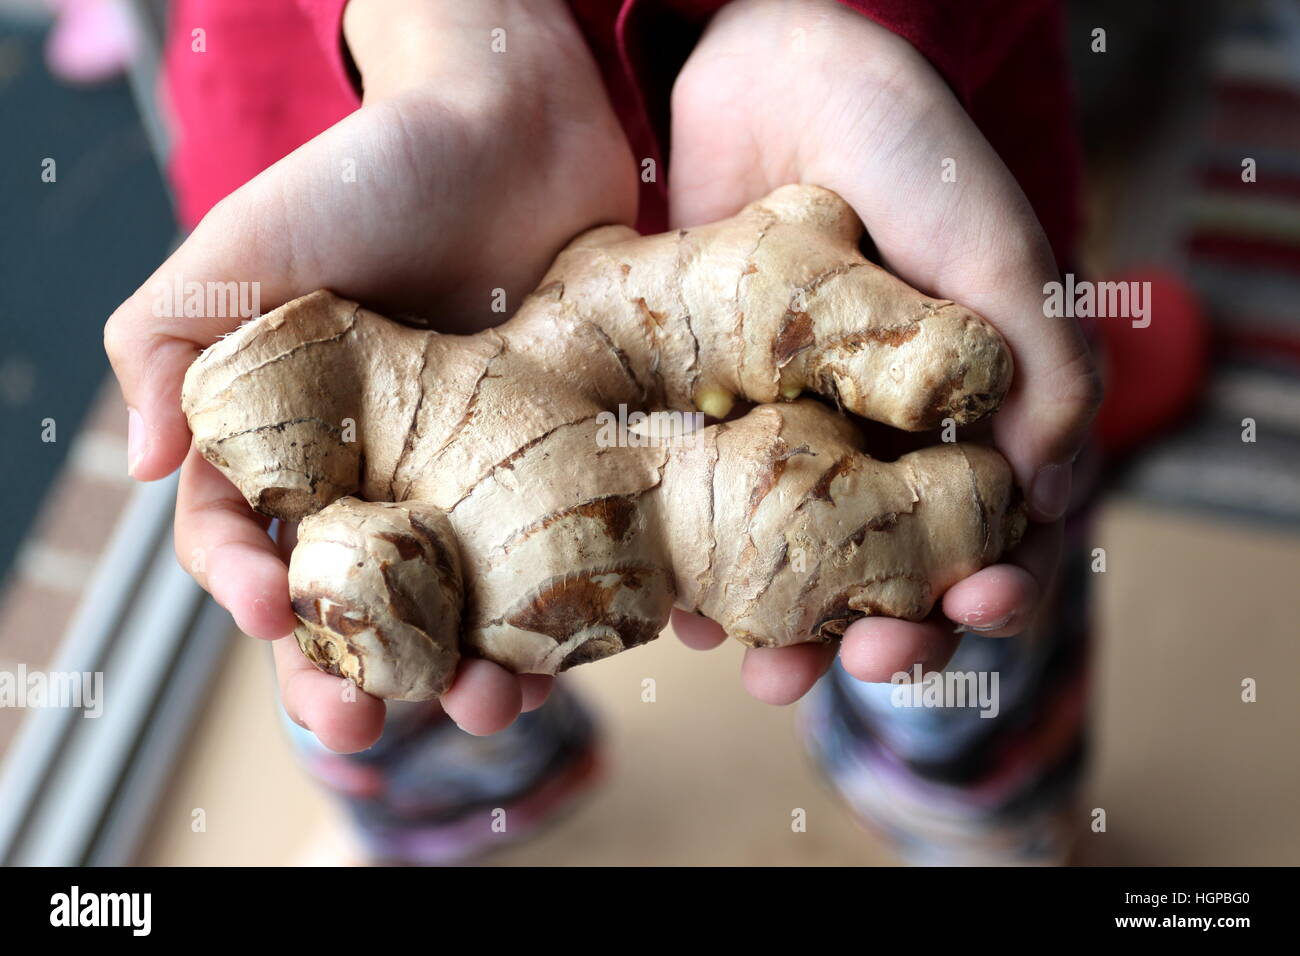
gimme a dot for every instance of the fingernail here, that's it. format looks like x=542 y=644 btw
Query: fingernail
x=997 y=625
x=135 y=440
x=1050 y=493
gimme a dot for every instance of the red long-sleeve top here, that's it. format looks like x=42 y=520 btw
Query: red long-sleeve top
x=272 y=74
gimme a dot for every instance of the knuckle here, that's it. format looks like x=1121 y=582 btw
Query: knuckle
x=129 y=338
x=185 y=558
x=1078 y=389
x=1085 y=386
x=116 y=332
x=1094 y=391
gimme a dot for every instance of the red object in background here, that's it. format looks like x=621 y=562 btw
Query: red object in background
x=1153 y=374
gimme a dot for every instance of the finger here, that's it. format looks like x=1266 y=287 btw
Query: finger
x=1044 y=418
x=781 y=675
x=874 y=649
x=223 y=543
x=343 y=718
x=484 y=698
x=976 y=240
x=273 y=239
x=153 y=337
x=1039 y=553
x=1003 y=600
x=696 y=632
x=995 y=602
x=535 y=689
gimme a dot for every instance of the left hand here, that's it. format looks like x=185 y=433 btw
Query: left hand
x=475 y=169
x=787 y=91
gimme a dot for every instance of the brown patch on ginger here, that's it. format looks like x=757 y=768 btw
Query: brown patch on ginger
x=571 y=604
x=616 y=513
x=408 y=545
x=767 y=482
x=892 y=336
x=632 y=632
x=795 y=336
x=822 y=490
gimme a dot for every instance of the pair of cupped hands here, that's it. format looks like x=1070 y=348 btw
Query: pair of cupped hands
x=474 y=167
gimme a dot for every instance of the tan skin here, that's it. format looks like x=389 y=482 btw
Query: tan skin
x=475 y=167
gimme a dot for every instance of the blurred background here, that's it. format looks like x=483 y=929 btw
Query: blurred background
x=1198 y=528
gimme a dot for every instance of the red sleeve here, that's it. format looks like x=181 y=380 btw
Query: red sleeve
x=326 y=19
x=247 y=82
x=965 y=40
x=1006 y=62
x=274 y=73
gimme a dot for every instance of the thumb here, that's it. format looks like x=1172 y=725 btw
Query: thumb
x=204 y=290
x=1056 y=390
x=200 y=293
x=272 y=239
x=976 y=241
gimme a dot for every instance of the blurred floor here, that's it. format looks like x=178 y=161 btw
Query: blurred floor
x=1186 y=772
x=705 y=775
x=84 y=219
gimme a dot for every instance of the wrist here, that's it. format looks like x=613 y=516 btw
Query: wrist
x=477 y=47
x=835 y=70
x=390 y=42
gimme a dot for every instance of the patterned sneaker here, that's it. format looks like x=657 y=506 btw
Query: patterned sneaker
x=429 y=794
x=962 y=782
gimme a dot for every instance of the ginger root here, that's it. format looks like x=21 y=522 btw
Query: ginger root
x=462 y=493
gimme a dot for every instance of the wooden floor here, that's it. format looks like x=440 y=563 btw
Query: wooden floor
x=1186 y=772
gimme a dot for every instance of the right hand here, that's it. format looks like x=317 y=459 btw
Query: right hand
x=783 y=91
x=473 y=169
